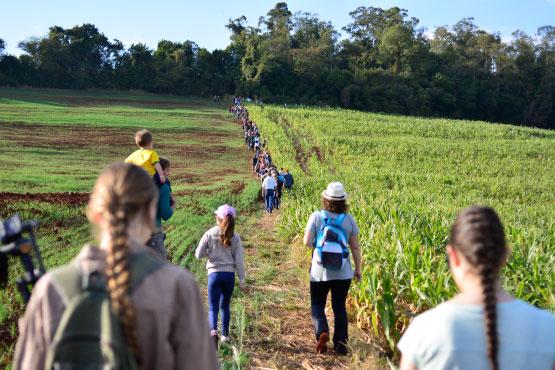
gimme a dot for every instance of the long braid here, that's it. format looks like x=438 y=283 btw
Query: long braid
x=487 y=277
x=122 y=193
x=478 y=234
x=117 y=271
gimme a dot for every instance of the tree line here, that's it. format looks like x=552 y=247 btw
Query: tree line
x=387 y=63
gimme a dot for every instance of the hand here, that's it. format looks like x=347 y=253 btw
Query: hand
x=243 y=286
x=358 y=275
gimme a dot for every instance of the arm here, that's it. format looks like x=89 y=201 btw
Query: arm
x=202 y=248
x=310 y=232
x=355 y=248
x=239 y=258
x=165 y=208
x=37 y=326
x=160 y=171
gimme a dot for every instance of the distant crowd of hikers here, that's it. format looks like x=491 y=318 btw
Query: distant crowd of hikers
x=120 y=305
x=274 y=181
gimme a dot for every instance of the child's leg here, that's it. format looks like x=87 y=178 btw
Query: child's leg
x=214 y=293
x=228 y=284
x=156 y=178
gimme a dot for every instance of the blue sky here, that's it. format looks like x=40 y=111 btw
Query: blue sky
x=204 y=21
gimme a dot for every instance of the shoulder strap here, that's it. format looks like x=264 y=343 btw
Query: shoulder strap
x=71 y=281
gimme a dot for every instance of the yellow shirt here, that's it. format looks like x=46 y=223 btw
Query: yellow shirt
x=145 y=158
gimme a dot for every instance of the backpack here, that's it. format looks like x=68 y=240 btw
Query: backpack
x=90 y=335
x=332 y=242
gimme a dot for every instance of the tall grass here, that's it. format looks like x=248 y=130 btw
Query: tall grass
x=407 y=178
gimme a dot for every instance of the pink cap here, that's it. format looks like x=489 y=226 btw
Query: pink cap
x=225 y=210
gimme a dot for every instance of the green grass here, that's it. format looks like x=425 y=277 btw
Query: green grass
x=407 y=178
x=56 y=141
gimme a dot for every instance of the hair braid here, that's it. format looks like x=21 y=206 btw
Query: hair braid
x=487 y=277
x=478 y=234
x=122 y=193
x=117 y=271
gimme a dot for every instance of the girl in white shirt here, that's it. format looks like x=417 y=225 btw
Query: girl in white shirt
x=483 y=327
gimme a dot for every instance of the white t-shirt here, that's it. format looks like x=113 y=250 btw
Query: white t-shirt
x=452 y=336
x=269 y=183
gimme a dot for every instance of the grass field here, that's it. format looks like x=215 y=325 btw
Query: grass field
x=407 y=178
x=55 y=142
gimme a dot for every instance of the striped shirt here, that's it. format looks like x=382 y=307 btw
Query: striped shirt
x=220 y=257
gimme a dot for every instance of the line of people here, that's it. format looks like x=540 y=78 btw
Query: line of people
x=123 y=292
x=274 y=181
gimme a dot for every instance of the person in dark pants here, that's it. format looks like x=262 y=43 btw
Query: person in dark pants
x=288 y=180
x=268 y=190
x=325 y=277
x=223 y=247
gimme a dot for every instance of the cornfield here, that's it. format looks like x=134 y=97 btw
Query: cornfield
x=407 y=178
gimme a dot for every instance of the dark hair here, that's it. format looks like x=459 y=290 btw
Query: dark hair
x=143 y=138
x=227 y=229
x=335 y=206
x=164 y=163
x=478 y=235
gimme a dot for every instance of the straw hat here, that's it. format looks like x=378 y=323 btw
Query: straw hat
x=335 y=191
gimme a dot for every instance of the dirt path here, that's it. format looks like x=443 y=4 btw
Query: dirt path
x=281 y=331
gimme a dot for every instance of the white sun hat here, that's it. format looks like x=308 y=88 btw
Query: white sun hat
x=335 y=191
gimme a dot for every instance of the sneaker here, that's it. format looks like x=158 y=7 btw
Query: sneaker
x=323 y=339
x=224 y=339
x=214 y=336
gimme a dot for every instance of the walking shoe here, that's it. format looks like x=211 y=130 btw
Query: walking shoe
x=214 y=336
x=323 y=339
x=224 y=338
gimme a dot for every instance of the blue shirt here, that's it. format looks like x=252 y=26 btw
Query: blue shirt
x=165 y=211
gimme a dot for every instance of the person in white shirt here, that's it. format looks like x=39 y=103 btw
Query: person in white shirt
x=268 y=191
x=483 y=327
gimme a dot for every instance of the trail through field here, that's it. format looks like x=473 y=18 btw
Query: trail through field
x=284 y=337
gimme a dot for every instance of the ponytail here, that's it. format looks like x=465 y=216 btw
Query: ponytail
x=227 y=230
x=478 y=234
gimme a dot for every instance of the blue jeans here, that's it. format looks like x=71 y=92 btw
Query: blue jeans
x=220 y=289
x=269 y=199
x=318 y=296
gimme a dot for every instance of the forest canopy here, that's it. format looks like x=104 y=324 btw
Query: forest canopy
x=385 y=62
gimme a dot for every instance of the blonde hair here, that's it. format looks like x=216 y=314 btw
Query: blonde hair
x=122 y=192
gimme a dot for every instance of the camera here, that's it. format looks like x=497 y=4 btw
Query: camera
x=17 y=239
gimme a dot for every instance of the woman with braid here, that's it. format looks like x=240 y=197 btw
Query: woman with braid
x=483 y=327
x=161 y=316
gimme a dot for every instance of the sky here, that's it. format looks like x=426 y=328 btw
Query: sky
x=204 y=21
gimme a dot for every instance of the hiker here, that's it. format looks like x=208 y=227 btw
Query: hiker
x=483 y=327
x=268 y=190
x=288 y=183
x=223 y=247
x=159 y=321
x=279 y=188
x=254 y=163
x=166 y=207
x=146 y=157
x=333 y=235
